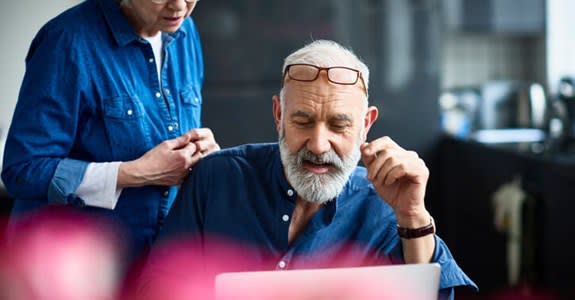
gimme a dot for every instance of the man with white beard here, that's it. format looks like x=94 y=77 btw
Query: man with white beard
x=304 y=202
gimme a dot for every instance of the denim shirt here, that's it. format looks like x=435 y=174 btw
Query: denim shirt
x=242 y=195
x=91 y=93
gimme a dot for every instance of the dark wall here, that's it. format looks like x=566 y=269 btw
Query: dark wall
x=245 y=43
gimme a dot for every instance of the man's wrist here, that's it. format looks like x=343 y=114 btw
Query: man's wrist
x=414 y=219
x=412 y=233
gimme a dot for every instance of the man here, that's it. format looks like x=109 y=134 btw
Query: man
x=304 y=202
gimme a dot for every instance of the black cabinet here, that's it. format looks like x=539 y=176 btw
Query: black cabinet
x=495 y=16
x=464 y=179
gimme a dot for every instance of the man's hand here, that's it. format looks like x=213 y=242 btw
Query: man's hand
x=400 y=178
x=169 y=162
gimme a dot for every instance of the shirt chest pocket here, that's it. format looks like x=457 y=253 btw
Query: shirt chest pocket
x=126 y=127
x=191 y=99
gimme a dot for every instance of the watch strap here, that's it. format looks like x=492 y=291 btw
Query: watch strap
x=409 y=233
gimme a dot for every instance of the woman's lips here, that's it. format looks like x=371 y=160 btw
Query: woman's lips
x=173 y=20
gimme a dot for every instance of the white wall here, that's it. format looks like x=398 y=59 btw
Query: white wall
x=19 y=22
x=560 y=41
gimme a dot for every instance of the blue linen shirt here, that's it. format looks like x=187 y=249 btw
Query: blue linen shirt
x=242 y=194
x=91 y=93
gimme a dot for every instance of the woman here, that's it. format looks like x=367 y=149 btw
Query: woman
x=108 y=116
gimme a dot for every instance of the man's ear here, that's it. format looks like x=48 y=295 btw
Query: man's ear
x=368 y=120
x=277 y=111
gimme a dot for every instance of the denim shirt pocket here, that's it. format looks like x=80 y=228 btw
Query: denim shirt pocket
x=191 y=99
x=128 y=133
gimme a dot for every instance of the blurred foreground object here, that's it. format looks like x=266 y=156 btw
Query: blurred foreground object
x=60 y=254
x=181 y=269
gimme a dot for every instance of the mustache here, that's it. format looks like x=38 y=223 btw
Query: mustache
x=329 y=157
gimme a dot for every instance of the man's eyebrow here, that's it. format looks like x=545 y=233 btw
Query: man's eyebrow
x=300 y=113
x=341 y=117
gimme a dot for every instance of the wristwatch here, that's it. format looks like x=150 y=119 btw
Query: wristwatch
x=409 y=233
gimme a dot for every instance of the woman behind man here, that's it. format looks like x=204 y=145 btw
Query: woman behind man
x=108 y=115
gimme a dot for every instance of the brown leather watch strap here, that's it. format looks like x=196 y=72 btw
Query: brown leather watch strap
x=408 y=233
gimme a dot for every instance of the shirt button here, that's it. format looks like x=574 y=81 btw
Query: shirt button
x=170 y=128
x=285 y=218
x=167 y=91
x=158 y=95
x=130 y=112
x=196 y=100
x=151 y=60
x=282 y=264
x=166 y=193
x=290 y=192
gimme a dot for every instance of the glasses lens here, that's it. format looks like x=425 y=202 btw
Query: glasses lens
x=343 y=75
x=303 y=72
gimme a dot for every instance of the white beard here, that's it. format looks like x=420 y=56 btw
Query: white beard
x=317 y=188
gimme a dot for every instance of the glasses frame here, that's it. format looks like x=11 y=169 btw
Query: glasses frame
x=166 y=1
x=319 y=69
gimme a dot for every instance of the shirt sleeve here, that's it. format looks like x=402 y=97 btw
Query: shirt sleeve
x=45 y=120
x=98 y=187
x=451 y=273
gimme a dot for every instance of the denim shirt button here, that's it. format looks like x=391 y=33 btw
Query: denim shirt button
x=290 y=192
x=170 y=128
x=285 y=218
x=151 y=60
x=130 y=112
x=166 y=194
x=158 y=95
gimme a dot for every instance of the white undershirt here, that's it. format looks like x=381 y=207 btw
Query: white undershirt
x=156 y=43
x=98 y=187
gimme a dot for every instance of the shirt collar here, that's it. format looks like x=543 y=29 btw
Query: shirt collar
x=120 y=27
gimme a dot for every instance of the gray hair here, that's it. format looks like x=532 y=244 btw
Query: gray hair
x=326 y=53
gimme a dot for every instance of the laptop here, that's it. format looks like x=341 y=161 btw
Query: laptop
x=390 y=282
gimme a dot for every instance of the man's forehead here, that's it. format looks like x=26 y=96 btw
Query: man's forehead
x=323 y=92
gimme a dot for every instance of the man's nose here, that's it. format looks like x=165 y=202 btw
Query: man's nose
x=319 y=141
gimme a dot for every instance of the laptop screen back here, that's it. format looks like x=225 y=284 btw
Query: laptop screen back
x=405 y=282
